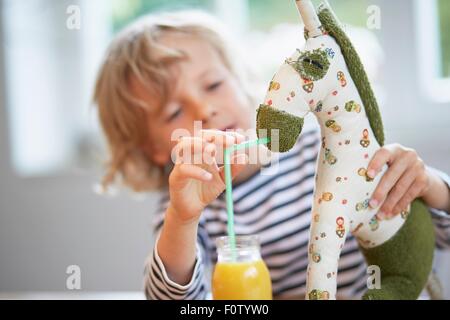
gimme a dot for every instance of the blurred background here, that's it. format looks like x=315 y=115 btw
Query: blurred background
x=52 y=150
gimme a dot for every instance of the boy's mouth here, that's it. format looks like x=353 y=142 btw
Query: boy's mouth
x=229 y=127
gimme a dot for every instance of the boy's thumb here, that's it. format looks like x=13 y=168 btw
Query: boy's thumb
x=238 y=163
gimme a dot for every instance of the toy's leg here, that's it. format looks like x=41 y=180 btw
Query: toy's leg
x=405 y=261
x=328 y=232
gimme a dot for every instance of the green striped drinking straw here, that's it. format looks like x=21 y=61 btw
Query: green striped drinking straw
x=229 y=187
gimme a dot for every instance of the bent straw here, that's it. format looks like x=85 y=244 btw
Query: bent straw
x=229 y=187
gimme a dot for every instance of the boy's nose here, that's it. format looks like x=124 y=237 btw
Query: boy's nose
x=206 y=112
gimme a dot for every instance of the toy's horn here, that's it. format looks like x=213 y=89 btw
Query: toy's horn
x=309 y=16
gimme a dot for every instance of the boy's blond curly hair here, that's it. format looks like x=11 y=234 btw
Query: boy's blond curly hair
x=135 y=52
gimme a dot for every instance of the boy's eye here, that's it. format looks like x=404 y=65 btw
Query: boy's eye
x=214 y=86
x=174 y=115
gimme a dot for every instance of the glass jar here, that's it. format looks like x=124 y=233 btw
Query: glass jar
x=240 y=274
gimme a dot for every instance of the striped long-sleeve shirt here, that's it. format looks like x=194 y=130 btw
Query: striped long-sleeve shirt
x=277 y=207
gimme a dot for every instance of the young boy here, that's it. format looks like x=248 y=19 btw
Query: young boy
x=167 y=71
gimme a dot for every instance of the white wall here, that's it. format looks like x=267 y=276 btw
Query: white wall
x=49 y=223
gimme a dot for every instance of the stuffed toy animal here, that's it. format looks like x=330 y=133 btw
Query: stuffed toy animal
x=328 y=79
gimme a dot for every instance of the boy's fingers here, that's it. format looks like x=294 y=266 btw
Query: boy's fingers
x=209 y=156
x=192 y=150
x=408 y=197
x=379 y=159
x=185 y=171
x=222 y=138
x=389 y=179
x=185 y=147
x=188 y=149
x=396 y=194
x=197 y=152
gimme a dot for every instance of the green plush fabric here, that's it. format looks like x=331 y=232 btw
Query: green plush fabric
x=311 y=65
x=405 y=260
x=289 y=126
x=356 y=69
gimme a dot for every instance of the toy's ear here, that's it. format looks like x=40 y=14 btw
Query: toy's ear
x=281 y=127
x=311 y=66
x=309 y=17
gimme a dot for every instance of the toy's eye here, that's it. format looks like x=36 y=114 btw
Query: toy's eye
x=315 y=63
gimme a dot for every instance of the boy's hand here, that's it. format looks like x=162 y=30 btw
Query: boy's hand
x=405 y=179
x=196 y=180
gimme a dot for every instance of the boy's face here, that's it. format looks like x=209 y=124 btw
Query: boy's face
x=205 y=91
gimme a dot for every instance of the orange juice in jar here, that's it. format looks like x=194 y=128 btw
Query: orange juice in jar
x=240 y=274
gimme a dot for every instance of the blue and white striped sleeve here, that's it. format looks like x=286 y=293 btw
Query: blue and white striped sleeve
x=441 y=219
x=157 y=283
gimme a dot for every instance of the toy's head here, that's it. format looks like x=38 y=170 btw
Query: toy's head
x=309 y=76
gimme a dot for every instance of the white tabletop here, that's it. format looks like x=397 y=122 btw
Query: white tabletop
x=73 y=295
